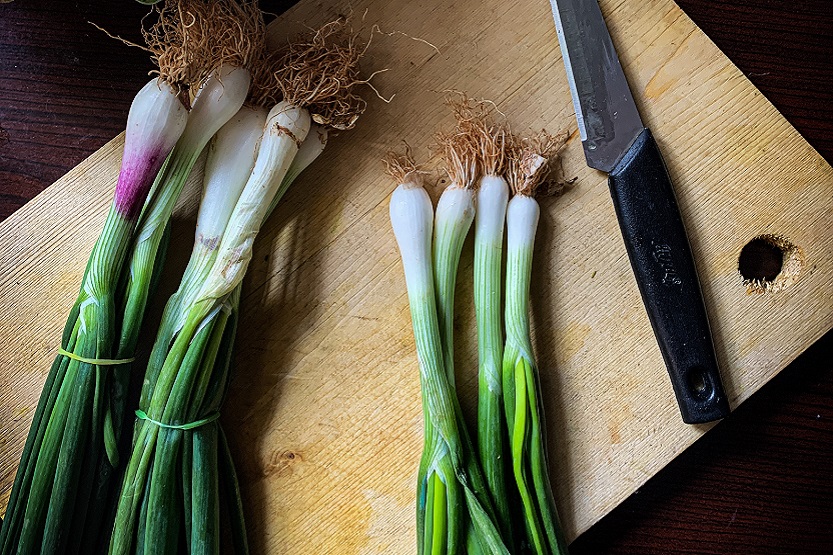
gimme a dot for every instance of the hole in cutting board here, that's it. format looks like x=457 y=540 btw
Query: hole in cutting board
x=769 y=264
x=760 y=260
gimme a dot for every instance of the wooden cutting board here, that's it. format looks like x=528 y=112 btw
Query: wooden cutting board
x=324 y=412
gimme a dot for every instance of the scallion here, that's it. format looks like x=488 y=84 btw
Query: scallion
x=492 y=199
x=527 y=173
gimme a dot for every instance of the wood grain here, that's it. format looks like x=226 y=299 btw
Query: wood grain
x=289 y=466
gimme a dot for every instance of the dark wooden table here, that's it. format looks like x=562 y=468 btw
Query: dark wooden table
x=760 y=482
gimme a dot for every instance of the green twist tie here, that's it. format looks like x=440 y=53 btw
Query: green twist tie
x=142 y=415
x=96 y=361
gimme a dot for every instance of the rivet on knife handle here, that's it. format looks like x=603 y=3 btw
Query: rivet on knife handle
x=661 y=258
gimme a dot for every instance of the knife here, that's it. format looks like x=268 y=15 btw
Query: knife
x=616 y=142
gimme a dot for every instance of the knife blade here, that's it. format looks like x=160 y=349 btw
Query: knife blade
x=616 y=142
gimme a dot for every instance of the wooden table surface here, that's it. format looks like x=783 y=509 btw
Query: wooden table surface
x=760 y=482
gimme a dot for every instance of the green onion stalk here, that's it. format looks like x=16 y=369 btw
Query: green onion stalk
x=452 y=501
x=452 y=222
x=521 y=382
x=75 y=424
x=490 y=217
x=170 y=487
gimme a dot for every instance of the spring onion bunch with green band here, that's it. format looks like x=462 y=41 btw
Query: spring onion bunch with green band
x=454 y=512
x=527 y=174
x=171 y=484
x=72 y=444
x=228 y=36
x=228 y=165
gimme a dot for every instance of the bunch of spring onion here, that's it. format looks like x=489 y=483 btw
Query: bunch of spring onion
x=72 y=443
x=454 y=509
x=171 y=485
x=527 y=172
x=230 y=36
x=483 y=160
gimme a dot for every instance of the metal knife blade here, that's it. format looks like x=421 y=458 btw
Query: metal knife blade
x=615 y=141
x=608 y=120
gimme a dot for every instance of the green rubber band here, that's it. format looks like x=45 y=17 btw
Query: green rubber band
x=142 y=415
x=96 y=361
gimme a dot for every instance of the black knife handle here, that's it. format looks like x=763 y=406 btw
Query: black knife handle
x=660 y=255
